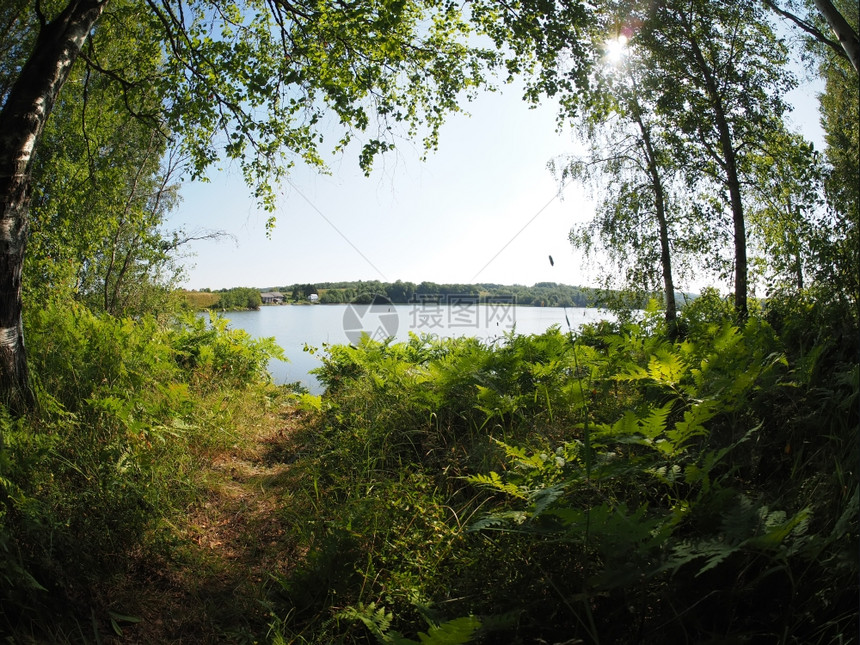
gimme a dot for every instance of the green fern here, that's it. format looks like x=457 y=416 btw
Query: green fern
x=457 y=631
x=666 y=367
x=376 y=619
x=453 y=632
x=499 y=521
x=494 y=482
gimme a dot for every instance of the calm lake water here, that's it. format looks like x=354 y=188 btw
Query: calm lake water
x=294 y=326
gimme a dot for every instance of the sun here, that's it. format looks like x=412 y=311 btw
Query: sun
x=616 y=49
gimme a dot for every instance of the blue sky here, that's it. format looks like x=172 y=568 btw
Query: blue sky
x=452 y=218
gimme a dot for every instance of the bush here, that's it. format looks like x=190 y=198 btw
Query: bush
x=126 y=410
x=622 y=488
x=212 y=354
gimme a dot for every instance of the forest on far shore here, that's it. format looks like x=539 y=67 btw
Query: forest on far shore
x=541 y=294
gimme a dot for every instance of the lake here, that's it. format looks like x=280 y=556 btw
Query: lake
x=294 y=326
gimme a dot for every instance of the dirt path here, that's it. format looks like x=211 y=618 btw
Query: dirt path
x=210 y=586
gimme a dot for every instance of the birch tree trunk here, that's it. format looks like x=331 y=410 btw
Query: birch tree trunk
x=22 y=121
x=732 y=182
x=663 y=227
x=844 y=32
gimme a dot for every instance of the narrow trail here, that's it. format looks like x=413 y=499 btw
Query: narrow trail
x=211 y=582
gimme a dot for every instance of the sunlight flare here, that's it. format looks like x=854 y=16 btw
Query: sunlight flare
x=616 y=49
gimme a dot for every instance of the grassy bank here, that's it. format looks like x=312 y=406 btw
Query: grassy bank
x=99 y=478
x=613 y=487
x=606 y=487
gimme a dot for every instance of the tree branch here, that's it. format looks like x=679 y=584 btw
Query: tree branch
x=846 y=34
x=808 y=28
x=124 y=84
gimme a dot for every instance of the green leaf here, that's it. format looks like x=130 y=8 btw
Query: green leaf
x=544 y=498
x=494 y=482
x=848 y=516
x=453 y=632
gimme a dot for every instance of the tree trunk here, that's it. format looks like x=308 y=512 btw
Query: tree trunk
x=22 y=121
x=810 y=29
x=846 y=35
x=660 y=207
x=732 y=180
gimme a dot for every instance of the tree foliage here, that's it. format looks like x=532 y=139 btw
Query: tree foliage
x=644 y=223
x=546 y=294
x=263 y=79
x=786 y=213
x=254 y=82
x=833 y=258
x=840 y=118
x=238 y=298
x=722 y=78
x=702 y=86
x=104 y=183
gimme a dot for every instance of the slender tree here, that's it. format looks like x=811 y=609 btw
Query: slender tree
x=632 y=173
x=830 y=30
x=837 y=20
x=723 y=75
x=718 y=74
x=845 y=33
x=786 y=211
x=840 y=119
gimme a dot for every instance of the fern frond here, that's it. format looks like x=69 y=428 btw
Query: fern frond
x=666 y=367
x=655 y=423
x=633 y=373
x=498 y=519
x=494 y=482
x=452 y=632
x=544 y=497
x=376 y=619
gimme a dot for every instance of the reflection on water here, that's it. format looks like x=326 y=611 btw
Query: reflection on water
x=294 y=326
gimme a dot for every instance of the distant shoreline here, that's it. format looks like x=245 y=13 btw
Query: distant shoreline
x=541 y=294
x=399 y=304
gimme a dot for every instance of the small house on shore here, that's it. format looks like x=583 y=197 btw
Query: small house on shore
x=271 y=297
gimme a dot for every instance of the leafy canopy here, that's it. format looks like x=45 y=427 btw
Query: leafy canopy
x=269 y=80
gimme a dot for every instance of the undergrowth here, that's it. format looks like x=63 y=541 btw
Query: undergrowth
x=610 y=486
x=108 y=463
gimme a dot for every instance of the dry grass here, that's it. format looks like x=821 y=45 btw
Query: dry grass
x=200 y=299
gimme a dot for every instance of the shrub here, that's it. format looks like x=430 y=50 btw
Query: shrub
x=126 y=409
x=615 y=487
